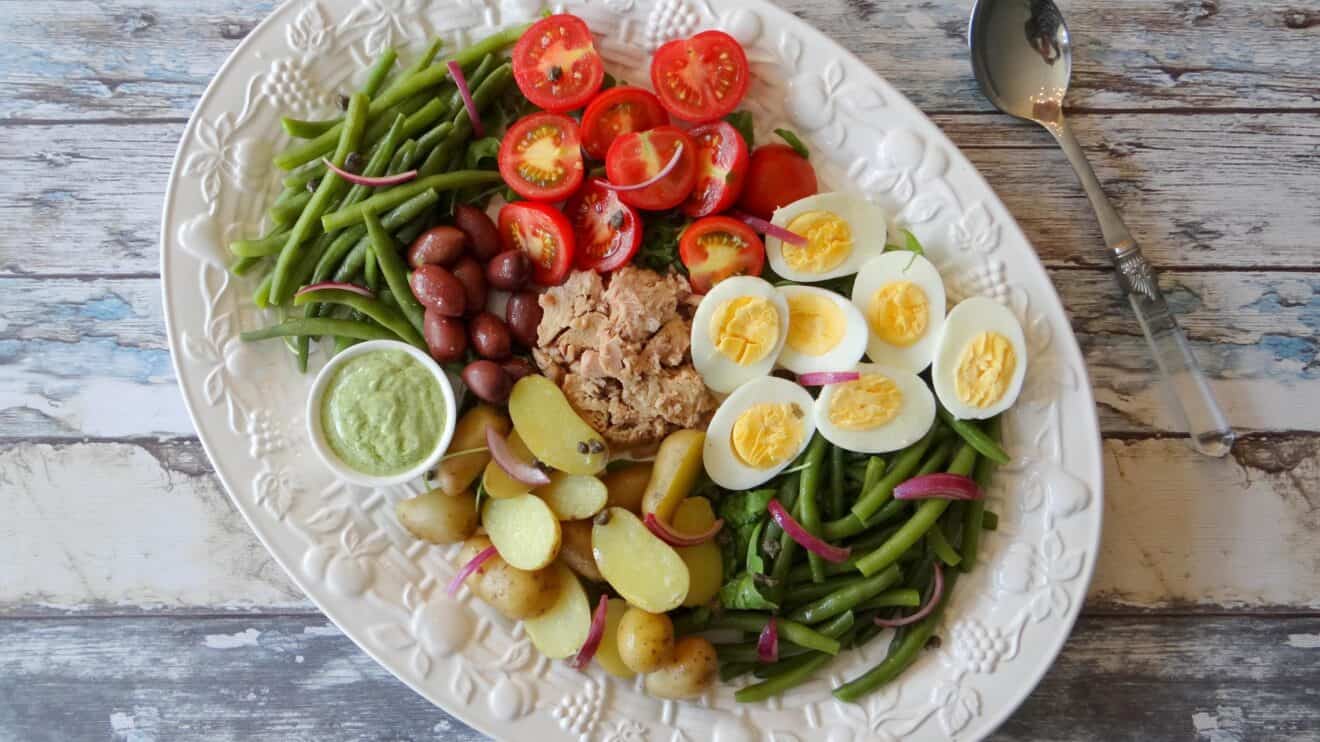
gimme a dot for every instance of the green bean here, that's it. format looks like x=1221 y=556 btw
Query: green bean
x=974 y=437
x=320 y=326
x=802 y=573
x=376 y=309
x=298 y=179
x=344 y=343
x=805 y=636
x=484 y=95
x=907 y=461
x=734 y=670
x=848 y=598
x=379 y=71
x=875 y=468
x=329 y=188
x=989 y=522
x=406 y=88
x=976 y=514
x=837 y=504
x=806 y=593
x=243 y=266
x=809 y=502
x=393 y=221
x=394 y=271
x=783 y=563
x=873 y=539
x=375 y=78
x=393 y=197
x=261 y=247
x=902 y=652
x=412 y=229
x=904 y=597
x=401 y=161
x=786 y=665
x=423 y=61
x=794 y=676
x=261 y=295
x=286 y=212
x=371 y=271
x=927 y=513
x=939 y=544
x=431 y=139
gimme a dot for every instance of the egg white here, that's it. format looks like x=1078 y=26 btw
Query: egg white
x=722 y=463
x=847 y=352
x=912 y=422
x=866 y=220
x=880 y=272
x=720 y=373
x=970 y=318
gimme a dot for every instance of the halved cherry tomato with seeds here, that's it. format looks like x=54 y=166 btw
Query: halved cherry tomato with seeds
x=541 y=157
x=544 y=233
x=637 y=157
x=702 y=78
x=777 y=176
x=619 y=111
x=556 y=64
x=607 y=231
x=718 y=247
x=722 y=161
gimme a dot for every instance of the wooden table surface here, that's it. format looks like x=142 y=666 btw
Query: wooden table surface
x=136 y=605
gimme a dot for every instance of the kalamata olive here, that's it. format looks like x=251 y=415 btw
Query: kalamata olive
x=490 y=337
x=517 y=368
x=510 y=270
x=446 y=337
x=436 y=288
x=488 y=381
x=523 y=315
x=437 y=246
x=469 y=273
x=482 y=235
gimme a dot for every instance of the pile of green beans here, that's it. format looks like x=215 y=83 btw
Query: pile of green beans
x=322 y=228
x=821 y=607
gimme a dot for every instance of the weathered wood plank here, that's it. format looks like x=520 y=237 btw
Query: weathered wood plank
x=152 y=59
x=250 y=679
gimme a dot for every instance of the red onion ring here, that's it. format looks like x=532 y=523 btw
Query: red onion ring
x=935 y=595
x=664 y=173
x=363 y=180
x=519 y=470
x=767 y=646
x=770 y=229
x=594 y=635
x=667 y=534
x=474 y=116
x=822 y=378
x=352 y=288
x=938 y=487
x=809 y=542
x=472 y=566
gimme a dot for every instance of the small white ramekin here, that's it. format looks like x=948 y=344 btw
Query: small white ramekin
x=332 y=460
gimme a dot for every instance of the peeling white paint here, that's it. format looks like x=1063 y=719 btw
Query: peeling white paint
x=323 y=630
x=1225 y=724
x=140 y=726
x=1304 y=641
x=246 y=638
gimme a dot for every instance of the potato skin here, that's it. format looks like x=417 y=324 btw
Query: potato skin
x=646 y=640
x=439 y=518
x=692 y=672
x=575 y=549
x=455 y=475
x=516 y=593
x=627 y=486
x=674 y=472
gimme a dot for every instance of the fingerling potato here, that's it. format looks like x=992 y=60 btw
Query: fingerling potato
x=562 y=630
x=644 y=570
x=517 y=594
x=457 y=474
x=524 y=530
x=573 y=496
x=553 y=430
x=705 y=562
x=575 y=549
x=674 y=472
x=607 y=654
x=691 y=673
x=497 y=482
x=646 y=640
x=627 y=485
x=439 y=518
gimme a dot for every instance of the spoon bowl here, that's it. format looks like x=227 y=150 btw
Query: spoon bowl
x=1022 y=56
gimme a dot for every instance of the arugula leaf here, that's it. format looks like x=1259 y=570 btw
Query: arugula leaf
x=755 y=564
x=745 y=508
x=741 y=594
x=659 y=250
x=742 y=121
x=483 y=154
x=793 y=141
x=910 y=243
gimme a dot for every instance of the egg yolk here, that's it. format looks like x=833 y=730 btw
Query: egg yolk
x=815 y=324
x=745 y=329
x=767 y=434
x=866 y=403
x=985 y=369
x=829 y=242
x=899 y=313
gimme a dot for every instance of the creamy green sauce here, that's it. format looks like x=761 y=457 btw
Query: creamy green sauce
x=382 y=412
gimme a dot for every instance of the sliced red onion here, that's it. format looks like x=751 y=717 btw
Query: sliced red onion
x=822 y=378
x=935 y=595
x=474 y=116
x=767 y=647
x=799 y=534
x=938 y=487
x=515 y=467
x=472 y=566
x=594 y=634
x=363 y=180
x=664 y=172
x=667 y=534
x=352 y=288
x=770 y=229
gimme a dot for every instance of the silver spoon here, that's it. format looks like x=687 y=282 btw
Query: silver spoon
x=1022 y=57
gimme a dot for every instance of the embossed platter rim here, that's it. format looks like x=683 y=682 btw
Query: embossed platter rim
x=340 y=543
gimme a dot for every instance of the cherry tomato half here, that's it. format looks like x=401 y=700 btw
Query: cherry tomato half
x=541 y=157
x=541 y=231
x=607 y=231
x=639 y=156
x=556 y=64
x=702 y=78
x=777 y=177
x=722 y=161
x=716 y=248
x=619 y=111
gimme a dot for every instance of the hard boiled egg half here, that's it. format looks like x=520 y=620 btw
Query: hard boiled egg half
x=902 y=297
x=825 y=331
x=756 y=432
x=738 y=331
x=981 y=360
x=887 y=409
x=841 y=233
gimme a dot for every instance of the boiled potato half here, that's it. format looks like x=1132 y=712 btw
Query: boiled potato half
x=439 y=518
x=704 y=561
x=674 y=472
x=691 y=673
x=575 y=549
x=562 y=630
x=524 y=530
x=646 y=640
x=552 y=429
x=573 y=496
x=517 y=594
x=644 y=570
x=607 y=654
x=457 y=474
x=627 y=485
x=497 y=482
